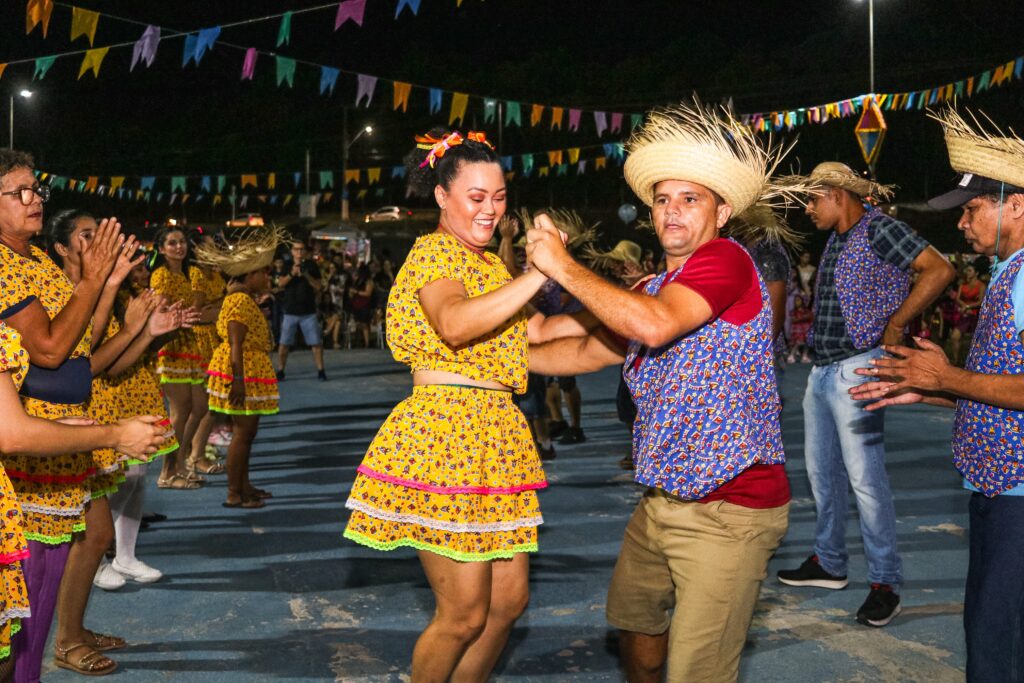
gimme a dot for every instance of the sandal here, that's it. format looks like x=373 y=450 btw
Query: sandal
x=211 y=468
x=258 y=493
x=103 y=642
x=177 y=482
x=92 y=663
x=245 y=503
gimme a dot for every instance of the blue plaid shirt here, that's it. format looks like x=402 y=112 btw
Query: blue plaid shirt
x=892 y=241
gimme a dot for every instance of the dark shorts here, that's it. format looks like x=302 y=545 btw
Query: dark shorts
x=564 y=383
x=532 y=402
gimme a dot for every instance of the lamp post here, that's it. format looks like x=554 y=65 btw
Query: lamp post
x=10 y=130
x=346 y=144
x=871 y=43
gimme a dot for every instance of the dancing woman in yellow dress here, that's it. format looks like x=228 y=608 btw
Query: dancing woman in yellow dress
x=453 y=472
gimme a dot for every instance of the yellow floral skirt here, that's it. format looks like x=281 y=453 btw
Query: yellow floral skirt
x=207 y=341
x=138 y=393
x=52 y=490
x=13 y=548
x=180 y=361
x=453 y=471
x=261 y=394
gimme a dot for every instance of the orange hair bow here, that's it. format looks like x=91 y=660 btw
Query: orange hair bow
x=438 y=146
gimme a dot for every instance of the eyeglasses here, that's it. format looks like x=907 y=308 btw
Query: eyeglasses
x=28 y=194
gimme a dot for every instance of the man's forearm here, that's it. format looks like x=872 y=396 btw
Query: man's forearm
x=573 y=356
x=930 y=284
x=1002 y=391
x=623 y=311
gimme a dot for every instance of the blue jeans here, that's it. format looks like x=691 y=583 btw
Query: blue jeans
x=994 y=596
x=844 y=446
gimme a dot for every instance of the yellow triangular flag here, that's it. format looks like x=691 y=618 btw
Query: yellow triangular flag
x=373 y=175
x=574 y=155
x=459 y=102
x=361 y=194
x=83 y=23
x=401 y=99
x=271 y=181
x=116 y=182
x=92 y=60
x=216 y=199
x=184 y=197
x=287 y=199
x=543 y=171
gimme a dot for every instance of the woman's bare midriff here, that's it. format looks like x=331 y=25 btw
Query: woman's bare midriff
x=425 y=377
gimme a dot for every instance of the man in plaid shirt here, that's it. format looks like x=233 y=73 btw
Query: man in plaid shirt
x=863 y=297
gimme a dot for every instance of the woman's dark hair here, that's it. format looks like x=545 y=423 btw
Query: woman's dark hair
x=158 y=259
x=59 y=229
x=420 y=182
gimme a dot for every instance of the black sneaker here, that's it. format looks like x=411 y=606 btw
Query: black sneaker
x=557 y=427
x=573 y=435
x=546 y=453
x=880 y=608
x=810 y=573
x=280 y=375
x=321 y=375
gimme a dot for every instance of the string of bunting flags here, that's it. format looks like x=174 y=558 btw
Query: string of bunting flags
x=270 y=188
x=561 y=117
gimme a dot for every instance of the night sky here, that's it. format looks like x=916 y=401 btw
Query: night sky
x=619 y=56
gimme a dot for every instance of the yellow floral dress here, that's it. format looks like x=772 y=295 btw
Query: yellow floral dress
x=454 y=469
x=53 y=490
x=261 y=397
x=107 y=471
x=13 y=547
x=180 y=361
x=213 y=287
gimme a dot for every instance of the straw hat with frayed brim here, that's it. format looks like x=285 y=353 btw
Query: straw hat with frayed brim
x=762 y=223
x=991 y=153
x=622 y=252
x=709 y=147
x=579 y=235
x=836 y=174
x=252 y=251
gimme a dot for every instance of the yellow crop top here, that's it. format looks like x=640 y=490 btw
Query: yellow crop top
x=498 y=356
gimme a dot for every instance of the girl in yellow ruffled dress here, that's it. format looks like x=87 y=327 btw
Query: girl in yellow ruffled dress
x=242 y=382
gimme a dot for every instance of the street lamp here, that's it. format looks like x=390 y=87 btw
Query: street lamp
x=346 y=144
x=871 y=42
x=23 y=93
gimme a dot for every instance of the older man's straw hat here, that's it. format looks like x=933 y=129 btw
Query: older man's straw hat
x=707 y=146
x=252 y=251
x=622 y=252
x=991 y=160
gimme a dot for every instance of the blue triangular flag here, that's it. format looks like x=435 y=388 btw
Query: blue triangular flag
x=189 y=53
x=146 y=183
x=414 y=5
x=205 y=184
x=398 y=172
x=328 y=78
x=205 y=40
x=435 y=100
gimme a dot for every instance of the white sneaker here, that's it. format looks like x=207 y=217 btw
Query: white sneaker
x=137 y=571
x=108 y=578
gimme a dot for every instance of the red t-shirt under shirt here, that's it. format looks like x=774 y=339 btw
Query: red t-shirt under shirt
x=723 y=274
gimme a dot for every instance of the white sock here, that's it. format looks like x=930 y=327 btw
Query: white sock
x=126 y=509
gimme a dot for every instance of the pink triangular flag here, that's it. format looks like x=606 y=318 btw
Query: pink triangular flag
x=574 y=119
x=616 y=123
x=350 y=9
x=249 y=65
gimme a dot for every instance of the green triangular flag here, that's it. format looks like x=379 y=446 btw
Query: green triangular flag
x=285 y=70
x=284 y=34
x=43 y=65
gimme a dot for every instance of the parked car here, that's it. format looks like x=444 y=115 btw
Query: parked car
x=388 y=213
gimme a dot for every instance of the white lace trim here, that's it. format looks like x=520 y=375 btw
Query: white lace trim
x=268 y=397
x=50 y=510
x=15 y=613
x=469 y=527
x=161 y=369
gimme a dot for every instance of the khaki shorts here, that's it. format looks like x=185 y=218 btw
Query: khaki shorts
x=694 y=570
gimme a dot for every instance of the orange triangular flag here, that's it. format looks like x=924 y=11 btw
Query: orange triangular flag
x=248 y=180
x=556 y=118
x=38 y=12
x=402 y=91
x=536 y=113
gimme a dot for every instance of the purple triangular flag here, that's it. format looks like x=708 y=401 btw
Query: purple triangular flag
x=350 y=9
x=601 y=121
x=249 y=65
x=145 y=47
x=367 y=84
